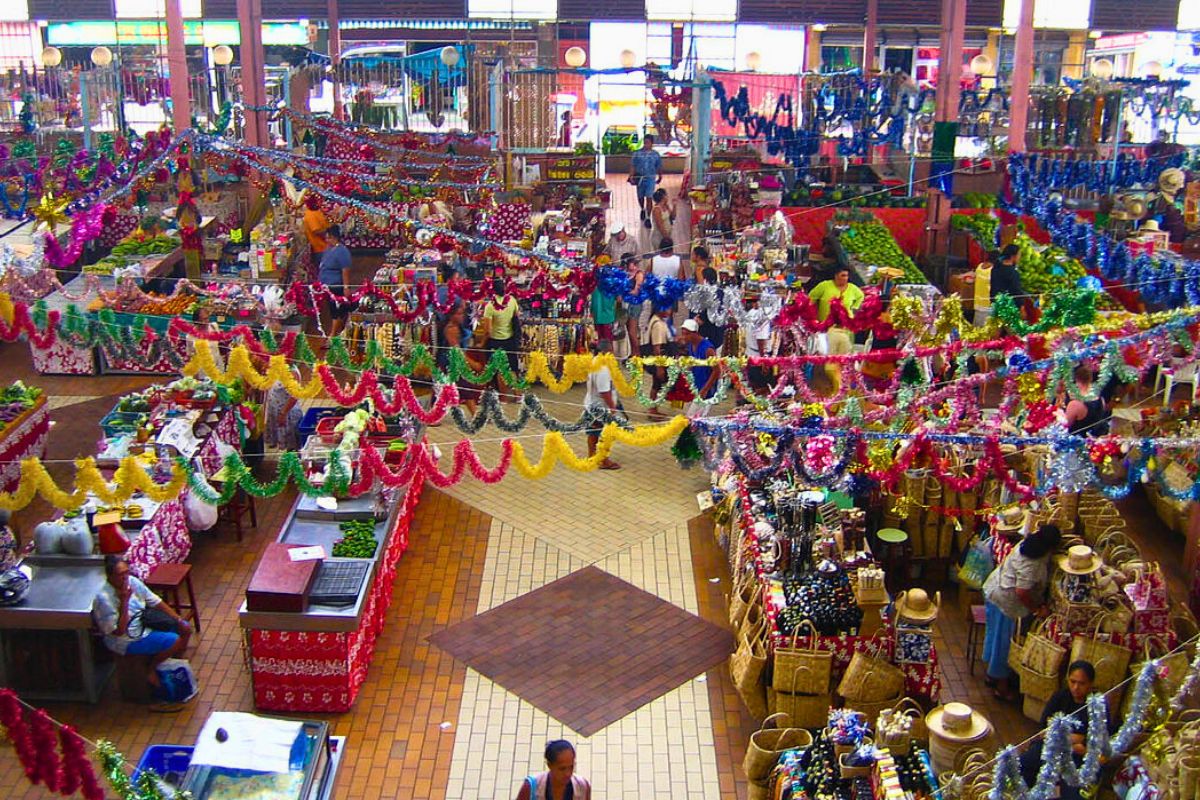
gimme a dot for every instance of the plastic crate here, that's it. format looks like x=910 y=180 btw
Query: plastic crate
x=167 y=760
x=118 y=422
x=308 y=424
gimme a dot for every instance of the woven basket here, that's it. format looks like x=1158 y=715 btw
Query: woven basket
x=769 y=742
x=809 y=711
x=746 y=667
x=1032 y=708
x=870 y=678
x=849 y=772
x=1037 y=685
x=802 y=670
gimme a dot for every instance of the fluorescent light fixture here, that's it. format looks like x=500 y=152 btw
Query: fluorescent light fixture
x=692 y=10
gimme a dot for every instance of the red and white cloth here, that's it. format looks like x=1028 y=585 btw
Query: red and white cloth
x=25 y=439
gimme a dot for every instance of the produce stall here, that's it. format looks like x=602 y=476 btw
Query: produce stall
x=312 y=617
x=25 y=418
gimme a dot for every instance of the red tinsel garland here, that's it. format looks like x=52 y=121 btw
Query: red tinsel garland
x=12 y=717
x=78 y=772
x=45 y=744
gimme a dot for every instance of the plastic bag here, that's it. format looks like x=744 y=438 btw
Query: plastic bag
x=176 y=681
x=977 y=563
x=200 y=515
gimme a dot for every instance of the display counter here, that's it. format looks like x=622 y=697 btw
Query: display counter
x=24 y=437
x=316 y=660
x=46 y=650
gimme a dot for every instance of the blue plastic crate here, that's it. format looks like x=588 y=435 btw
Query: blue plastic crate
x=308 y=424
x=118 y=422
x=169 y=761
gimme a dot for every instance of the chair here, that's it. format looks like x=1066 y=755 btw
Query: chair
x=976 y=624
x=165 y=580
x=233 y=511
x=1168 y=377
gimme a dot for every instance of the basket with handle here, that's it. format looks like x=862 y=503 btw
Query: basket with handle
x=1110 y=660
x=800 y=669
x=870 y=678
x=769 y=742
x=912 y=709
x=746 y=667
x=807 y=711
x=742 y=594
x=1040 y=653
x=1173 y=669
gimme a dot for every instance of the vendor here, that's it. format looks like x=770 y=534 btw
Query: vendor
x=1005 y=277
x=502 y=324
x=1086 y=417
x=135 y=621
x=315 y=224
x=1015 y=590
x=1071 y=701
x=840 y=340
x=335 y=275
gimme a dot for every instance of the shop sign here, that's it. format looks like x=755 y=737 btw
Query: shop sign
x=86 y=33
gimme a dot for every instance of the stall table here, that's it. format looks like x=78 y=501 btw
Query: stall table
x=316 y=660
x=24 y=437
x=46 y=648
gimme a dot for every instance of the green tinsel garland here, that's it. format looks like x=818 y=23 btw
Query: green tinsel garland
x=686 y=448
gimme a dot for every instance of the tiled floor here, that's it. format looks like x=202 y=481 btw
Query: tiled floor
x=427 y=726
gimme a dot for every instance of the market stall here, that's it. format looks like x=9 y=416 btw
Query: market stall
x=318 y=599
x=25 y=417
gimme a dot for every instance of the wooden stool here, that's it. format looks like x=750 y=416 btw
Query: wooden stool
x=131 y=679
x=236 y=508
x=976 y=625
x=165 y=581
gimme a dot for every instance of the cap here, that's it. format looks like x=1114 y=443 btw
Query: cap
x=691 y=325
x=616 y=228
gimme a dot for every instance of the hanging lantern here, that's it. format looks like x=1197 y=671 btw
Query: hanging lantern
x=575 y=57
x=102 y=56
x=628 y=59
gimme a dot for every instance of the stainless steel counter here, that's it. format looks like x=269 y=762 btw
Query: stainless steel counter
x=60 y=598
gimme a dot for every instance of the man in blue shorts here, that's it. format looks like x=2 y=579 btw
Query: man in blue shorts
x=646 y=171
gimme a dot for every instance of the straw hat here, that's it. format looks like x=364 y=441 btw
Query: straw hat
x=915 y=606
x=1079 y=560
x=1172 y=179
x=957 y=722
x=1013 y=518
x=1150 y=225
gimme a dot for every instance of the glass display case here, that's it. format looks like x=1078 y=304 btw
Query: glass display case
x=312 y=769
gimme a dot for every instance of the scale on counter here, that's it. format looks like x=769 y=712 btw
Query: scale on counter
x=339 y=582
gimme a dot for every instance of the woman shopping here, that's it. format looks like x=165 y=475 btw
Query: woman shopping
x=1015 y=590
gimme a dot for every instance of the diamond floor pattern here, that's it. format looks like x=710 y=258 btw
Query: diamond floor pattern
x=587 y=649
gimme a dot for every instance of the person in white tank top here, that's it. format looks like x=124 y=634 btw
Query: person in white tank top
x=666 y=264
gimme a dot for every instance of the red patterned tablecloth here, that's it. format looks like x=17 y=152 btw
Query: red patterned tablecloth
x=24 y=439
x=165 y=538
x=62 y=358
x=322 y=672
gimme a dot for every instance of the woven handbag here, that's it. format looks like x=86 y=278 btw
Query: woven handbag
x=800 y=669
x=1110 y=660
x=808 y=711
x=769 y=742
x=1040 y=653
x=746 y=667
x=870 y=678
x=742 y=595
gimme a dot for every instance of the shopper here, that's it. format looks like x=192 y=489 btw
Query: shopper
x=660 y=341
x=502 y=324
x=135 y=621
x=335 y=275
x=1086 y=417
x=1071 y=701
x=282 y=415
x=1015 y=590
x=604 y=314
x=456 y=333
x=633 y=311
x=701 y=260
x=1005 y=277
x=704 y=376
x=708 y=329
x=756 y=344
x=646 y=173
x=665 y=264
x=662 y=217
x=620 y=243
x=315 y=224
x=600 y=396
x=559 y=781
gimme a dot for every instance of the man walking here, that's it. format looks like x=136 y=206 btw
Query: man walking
x=646 y=167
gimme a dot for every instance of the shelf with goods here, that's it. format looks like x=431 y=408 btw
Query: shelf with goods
x=24 y=430
x=552 y=177
x=867 y=244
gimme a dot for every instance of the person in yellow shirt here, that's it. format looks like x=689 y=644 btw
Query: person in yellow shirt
x=314 y=224
x=840 y=340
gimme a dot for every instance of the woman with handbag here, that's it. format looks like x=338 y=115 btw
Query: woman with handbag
x=1014 y=590
x=135 y=621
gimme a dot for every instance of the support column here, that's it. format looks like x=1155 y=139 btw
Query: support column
x=950 y=62
x=335 y=55
x=1018 y=95
x=870 y=46
x=253 y=77
x=992 y=51
x=177 y=71
x=1075 y=56
x=812 y=50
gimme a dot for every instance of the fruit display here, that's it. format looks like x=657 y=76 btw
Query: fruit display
x=976 y=200
x=870 y=242
x=358 y=540
x=15 y=400
x=137 y=245
x=1046 y=269
x=982 y=227
x=151 y=304
x=849 y=195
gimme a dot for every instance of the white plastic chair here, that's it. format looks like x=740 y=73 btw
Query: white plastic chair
x=1169 y=377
